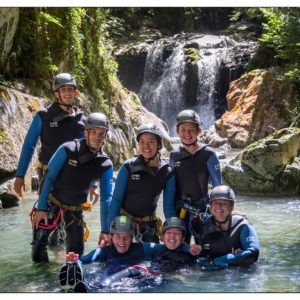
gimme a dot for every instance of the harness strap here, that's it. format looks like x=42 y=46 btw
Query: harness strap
x=79 y=222
x=66 y=207
x=72 y=208
x=41 y=165
x=139 y=219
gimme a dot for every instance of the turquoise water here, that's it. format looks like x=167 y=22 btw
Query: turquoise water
x=277 y=270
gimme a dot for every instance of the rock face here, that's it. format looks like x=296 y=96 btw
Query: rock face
x=258 y=105
x=9 y=18
x=16 y=113
x=270 y=166
x=17 y=110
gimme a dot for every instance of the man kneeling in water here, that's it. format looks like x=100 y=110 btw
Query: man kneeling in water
x=123 y=253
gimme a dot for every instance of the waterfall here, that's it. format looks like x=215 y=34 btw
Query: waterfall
x=163 y=84
x=166 y=88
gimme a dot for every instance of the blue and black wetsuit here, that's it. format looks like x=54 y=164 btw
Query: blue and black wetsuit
x=54 y=127
x=121 y=266
x=137 y=191
x=138 y=252
x=191 y=175
x=170 y=260
x=218 y=244
x=72 y=171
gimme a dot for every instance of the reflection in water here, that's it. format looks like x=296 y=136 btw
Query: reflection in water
x=278 y=269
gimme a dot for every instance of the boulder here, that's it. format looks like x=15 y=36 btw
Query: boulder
x=270 y=166
x=258 y=105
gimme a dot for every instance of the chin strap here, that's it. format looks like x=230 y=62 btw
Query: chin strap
x=223 y=222
x=148 y=160
x=60 y=102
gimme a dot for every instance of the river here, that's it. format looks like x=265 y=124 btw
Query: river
x=277 y=270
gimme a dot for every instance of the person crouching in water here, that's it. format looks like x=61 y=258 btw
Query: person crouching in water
x=227 y=238
x=123 y=254
x=72 y=171
x=172 y=256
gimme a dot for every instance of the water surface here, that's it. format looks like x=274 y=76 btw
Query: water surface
x=277 y=270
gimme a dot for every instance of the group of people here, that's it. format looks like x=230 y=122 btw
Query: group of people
x=72 y=164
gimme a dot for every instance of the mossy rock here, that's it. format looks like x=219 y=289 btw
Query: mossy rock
x=192 y=55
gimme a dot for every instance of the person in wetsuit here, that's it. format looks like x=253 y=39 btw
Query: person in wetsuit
x=226 y=238
x=193 y=165
x=54 y=125
x=71 y=172
x=123 y=254
x=172 y=257
x=139 y=184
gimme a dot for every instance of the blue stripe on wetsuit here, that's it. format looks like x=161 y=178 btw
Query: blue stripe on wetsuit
x=250 y=245
x=31 y=139
x=55 y=165
x=214 y=170
x=150 y=251
x=119 y=193
x=106 y=181
x=169 y=198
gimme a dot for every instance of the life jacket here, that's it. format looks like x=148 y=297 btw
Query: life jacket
x=58 y=127
x=81 y=169
x=170 y=260
x=144 y=186
x=191 y=175
x=217 y=242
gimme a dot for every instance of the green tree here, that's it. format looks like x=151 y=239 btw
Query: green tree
x=282 y=34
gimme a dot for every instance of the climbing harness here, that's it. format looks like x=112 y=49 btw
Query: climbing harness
x=195 y=216
x=59 y=219
x=143 y=222
x=74 y=208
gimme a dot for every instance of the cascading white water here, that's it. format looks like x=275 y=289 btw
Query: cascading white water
x=208 y=74
x=163 y=89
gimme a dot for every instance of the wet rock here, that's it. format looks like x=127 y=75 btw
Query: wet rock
x=258 y=105
x=7 y=197
x=270 y=166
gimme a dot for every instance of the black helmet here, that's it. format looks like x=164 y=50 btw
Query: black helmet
x=187 y=116
x=149 y=128
x=63 y=79
x=173 y=222
x=96 y=120
x=222 y=192
x=122 y=224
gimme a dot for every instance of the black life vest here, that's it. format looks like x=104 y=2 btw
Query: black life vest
x=144 y=186
x=58 y=127
x=216 y=242
x=191 y=175
x=81 y=169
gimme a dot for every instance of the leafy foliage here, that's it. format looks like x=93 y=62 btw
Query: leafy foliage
x=282 y=34
x=74 y=40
